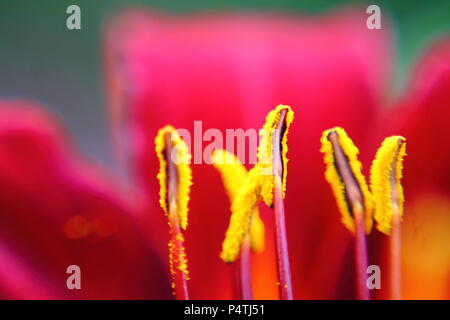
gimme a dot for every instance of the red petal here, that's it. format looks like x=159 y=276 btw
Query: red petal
x=423 y=117
x=229 y=70
x=57 y=210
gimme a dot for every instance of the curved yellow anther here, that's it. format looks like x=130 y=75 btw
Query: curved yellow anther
x=181 y=158
x=385 y=177
x=346 y=189
x=232 y=171
x=265 y=149
x=257 y=233
x=233 y=174
x=242 y=210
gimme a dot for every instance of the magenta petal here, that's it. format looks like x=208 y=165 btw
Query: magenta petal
x=57 y=209
x=229 y=70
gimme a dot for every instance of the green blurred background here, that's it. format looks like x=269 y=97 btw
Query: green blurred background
x=41 y=59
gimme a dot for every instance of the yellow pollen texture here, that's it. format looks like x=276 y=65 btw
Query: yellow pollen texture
x=386 y=174
x=242 y=209
x=181 y=156
x=177 y=257
x=265 y=149
x=257 y=232
x=233 y=174
x=337 y=185
x=232 y=171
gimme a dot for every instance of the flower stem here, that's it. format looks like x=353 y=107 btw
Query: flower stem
x=395 y=258
x=243 y=290
x=360 y=253
x=284 y=269
x=178 y=257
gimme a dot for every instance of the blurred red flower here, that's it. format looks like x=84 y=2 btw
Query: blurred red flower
x=227 y=70
x=57 y=209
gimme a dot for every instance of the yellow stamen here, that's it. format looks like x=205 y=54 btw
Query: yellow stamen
x=385 y=176
x=177 y=256
x=257 y=233
x=265 y=150
x=242 y=209
x=343 y=172
x=181 y=157
x=233 y=174
x=232 y=171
